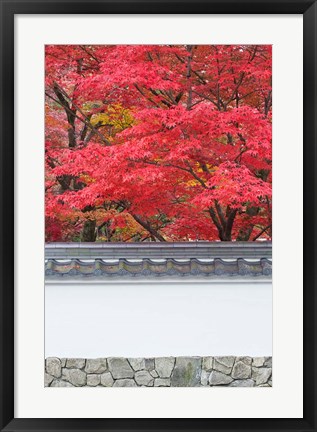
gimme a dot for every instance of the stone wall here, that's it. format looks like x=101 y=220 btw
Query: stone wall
x=226 y=371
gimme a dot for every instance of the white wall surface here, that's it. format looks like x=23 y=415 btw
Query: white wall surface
x=158 y=319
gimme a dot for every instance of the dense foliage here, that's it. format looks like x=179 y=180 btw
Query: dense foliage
x=159 y=143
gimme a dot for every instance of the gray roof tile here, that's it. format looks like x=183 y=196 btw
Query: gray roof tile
x=123 y=268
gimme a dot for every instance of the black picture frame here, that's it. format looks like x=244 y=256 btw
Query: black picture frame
x=8 y=9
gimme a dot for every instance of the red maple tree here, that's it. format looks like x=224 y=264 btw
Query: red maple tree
x=161 y=143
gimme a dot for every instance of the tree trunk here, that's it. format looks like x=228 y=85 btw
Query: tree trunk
x=225 y=236
x=223 y=223
x=88 y=233
x=245 y=233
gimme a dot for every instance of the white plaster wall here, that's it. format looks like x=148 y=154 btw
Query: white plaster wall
x=158 y=319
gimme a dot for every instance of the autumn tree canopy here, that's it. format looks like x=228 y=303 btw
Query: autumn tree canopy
x=158 y=142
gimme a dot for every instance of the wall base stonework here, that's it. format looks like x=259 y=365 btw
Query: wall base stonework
x=228 y=371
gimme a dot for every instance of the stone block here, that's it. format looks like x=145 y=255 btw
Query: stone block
x=149 y=364
x=65 y=374
x=137 y=363
x=204 y=377
x=120 y=368
x=75 y=363
x=207 y=363
x=261 y=375
x=241 y=370
x=242 y=383
x=93 y=380
x=60 y=383
x=76 y=377
x=124 y=383
x=246 y=360
x=258 y=361
x=268 y=362
x=106 y=379
x=164 y=366
x=187 y=372
x=47 y=379
x=143 y=378
x=223 y=364
x=219 y=378
x=162 y=382
x=54 y=367
x=96 y=366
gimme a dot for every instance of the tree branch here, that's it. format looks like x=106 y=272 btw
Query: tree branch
x=83 y=120
x=261 y=232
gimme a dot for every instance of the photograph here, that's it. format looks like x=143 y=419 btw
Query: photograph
x=158 y=215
